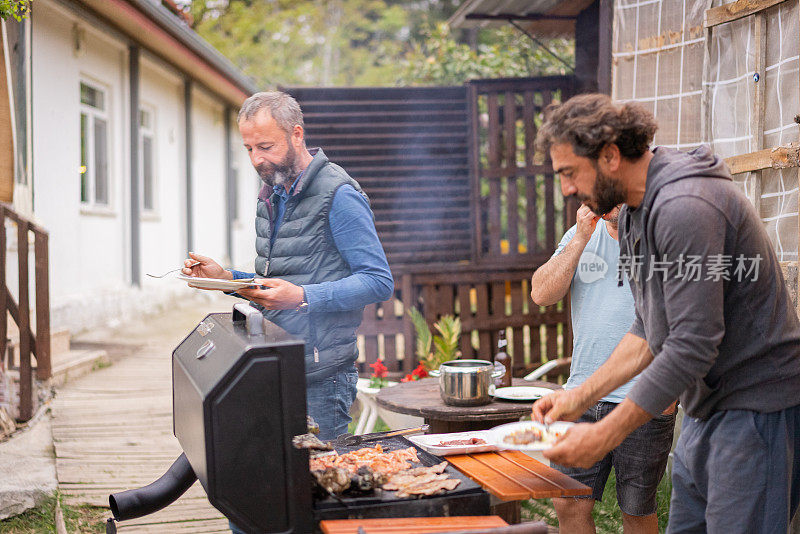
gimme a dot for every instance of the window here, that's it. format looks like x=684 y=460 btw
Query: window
x=94 y=147
x=147 y=162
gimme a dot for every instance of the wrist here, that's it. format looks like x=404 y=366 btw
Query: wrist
x=610 y=435
x=580 y=239
x=302 y=305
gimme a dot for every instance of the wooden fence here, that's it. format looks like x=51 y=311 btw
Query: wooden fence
x=465 y=207
x=485 y=299
x=37 y=344
x=517 y=202
x=408 y=148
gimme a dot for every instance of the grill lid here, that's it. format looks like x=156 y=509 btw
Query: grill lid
x=238 y=399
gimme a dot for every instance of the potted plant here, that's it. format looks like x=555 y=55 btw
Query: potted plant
x=434 y=350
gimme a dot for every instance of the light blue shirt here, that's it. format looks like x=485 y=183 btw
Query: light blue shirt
x=602 y=312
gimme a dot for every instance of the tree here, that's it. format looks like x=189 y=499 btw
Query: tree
x=18 y=9
x=363 y=42
x=439 y=59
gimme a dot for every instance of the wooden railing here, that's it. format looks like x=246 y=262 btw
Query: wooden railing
x=486 y=299
x=37 y=344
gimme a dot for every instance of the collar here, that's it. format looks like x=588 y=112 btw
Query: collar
x=281 y=191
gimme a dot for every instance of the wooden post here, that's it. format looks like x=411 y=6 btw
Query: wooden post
x=474 y=171
x=759 y=103
x=25 y=372
x=43 y=364
x=3 y=303
x=407 y=295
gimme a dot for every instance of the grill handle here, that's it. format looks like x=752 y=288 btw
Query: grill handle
x=244 y=313
x=153 y=497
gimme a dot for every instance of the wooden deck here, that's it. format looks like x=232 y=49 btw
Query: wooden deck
x=113 y=428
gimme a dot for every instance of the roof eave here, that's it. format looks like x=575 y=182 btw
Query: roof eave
x=156 y=29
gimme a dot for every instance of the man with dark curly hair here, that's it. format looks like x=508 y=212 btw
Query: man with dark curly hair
x=714 y=324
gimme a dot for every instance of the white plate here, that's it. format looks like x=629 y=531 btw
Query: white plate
x=430 y=442
x=499 y=433
x=216 y=283
x=521 y=393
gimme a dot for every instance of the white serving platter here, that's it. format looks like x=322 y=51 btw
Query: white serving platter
x=499 y=433
x=216 y=283
x=521 y=393
x=430 y=442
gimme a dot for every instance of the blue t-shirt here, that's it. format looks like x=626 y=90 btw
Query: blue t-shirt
x=602 y=312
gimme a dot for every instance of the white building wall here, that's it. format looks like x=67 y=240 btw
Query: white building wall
x=244 y=231
x=90 y=248
x=208 y=177
x=87 y=246
x=163 y=230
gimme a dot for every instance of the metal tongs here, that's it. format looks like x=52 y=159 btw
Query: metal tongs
x=349 y=440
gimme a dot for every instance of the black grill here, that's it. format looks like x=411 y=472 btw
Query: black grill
x=238 y=399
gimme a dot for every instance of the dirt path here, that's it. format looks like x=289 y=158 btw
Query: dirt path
x=113 y=428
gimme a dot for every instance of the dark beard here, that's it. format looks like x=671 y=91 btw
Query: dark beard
x=608 y=193
x=281 y=174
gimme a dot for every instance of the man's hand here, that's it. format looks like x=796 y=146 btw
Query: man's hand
x=279 y=295
x=561 y=405
x=207 y=268
x=582 y=446
x=586 y=221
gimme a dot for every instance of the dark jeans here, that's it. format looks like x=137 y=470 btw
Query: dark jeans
x=738 y=471
x=639 y=463
x=328 y=402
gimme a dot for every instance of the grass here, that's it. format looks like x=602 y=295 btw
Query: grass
x=380 y=426
x=607 y=515
x=40 y=520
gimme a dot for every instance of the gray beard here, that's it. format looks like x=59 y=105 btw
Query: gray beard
x=281 y=174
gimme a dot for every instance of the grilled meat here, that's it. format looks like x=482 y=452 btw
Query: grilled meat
x=421 y=481
x=310 y=441
x=333 y=480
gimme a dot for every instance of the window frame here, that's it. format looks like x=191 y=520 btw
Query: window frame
x=151 y=133
x=93 y=114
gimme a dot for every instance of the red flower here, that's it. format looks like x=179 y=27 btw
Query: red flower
x=379 y=370
x=420 y=372
x=408 y=378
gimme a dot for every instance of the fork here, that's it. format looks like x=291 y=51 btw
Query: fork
x=172 y=271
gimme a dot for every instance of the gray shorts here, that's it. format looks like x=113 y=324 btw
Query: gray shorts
x=639 y=463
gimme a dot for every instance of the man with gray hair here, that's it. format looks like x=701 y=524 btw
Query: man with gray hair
x=319 y=260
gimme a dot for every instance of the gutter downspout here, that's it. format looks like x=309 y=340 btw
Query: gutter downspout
x=187 y=108
x=133 y=65
x=229 y=189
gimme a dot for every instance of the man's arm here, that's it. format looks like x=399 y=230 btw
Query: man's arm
x=354 y=234
x=551 y=281
x=627 y=360
x=688 y=227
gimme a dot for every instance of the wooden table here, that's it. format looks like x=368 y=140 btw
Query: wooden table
x=422 y=398
x=412 y=525
x=513 y=476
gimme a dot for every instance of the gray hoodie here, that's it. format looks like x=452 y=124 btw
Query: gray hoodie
x=724 y=336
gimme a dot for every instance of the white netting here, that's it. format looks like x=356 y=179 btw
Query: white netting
x=732 y=81
x=658 y=61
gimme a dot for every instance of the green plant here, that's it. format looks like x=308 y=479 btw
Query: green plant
x=445 y=344
x=18 y=9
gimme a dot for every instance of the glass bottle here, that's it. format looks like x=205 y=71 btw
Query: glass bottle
x=503 y=358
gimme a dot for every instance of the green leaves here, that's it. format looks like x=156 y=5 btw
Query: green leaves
x=18 y=9
x=445 y=345
x=424 y=337
x=439 y=59
x=363 y=43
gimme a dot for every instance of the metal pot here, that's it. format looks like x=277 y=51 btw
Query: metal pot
x=466 y=382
